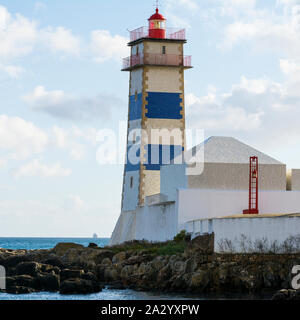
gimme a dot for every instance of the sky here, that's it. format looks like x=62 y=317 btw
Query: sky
x=61 y=84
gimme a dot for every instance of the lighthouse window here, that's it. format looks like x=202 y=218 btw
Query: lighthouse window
x=157 y=24
x=131 y=182
x=135 y=95
x=163 y=49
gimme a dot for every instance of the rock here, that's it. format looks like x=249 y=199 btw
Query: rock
x=89 y=276
x=287 y=294
x=199 y=281
x=92 y=245
x=48 y=282
x=106 y=262
x=110 y=274
x=102 y=254
x=70 y=274
x=61 y=248
x=28 y=268
x=12 y=261
x=164 y=274
x=21 y=281
x=127 y=272
x=79 y=286
x=54 y=261
x=46 y=268
x=203 y=244
x=138 y=259
x=84 y=258
x=119 y=257
x=19 y=290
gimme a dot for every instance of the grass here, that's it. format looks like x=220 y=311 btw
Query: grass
x=175 y=246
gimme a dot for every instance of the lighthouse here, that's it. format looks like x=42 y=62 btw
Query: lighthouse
x=156 y=112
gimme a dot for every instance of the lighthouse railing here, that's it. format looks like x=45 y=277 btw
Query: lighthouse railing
x=157 y=59
x=171 y=33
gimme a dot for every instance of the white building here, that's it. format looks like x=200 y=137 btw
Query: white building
x=202 y=203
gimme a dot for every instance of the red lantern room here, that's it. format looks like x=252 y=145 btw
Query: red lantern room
x=157 y=26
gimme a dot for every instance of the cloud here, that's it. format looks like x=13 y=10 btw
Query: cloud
x=40 y=7
x=17 y=34
x=277 y=31
x=61 y=105
x=20 y=138
x=36 y=168
x=186 y=4
x=2 y=163
x=13 y=71
x=211 y=112
x=60 y=40
x=21 y=36
x=74 y=203
x=261 y=110
x=105 y=47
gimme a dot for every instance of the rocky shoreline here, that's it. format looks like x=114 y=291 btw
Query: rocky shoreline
x=195 y=269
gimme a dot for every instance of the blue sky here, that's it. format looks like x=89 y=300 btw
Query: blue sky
x=60 y=82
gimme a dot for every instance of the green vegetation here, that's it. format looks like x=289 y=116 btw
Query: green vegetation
x=175 y=246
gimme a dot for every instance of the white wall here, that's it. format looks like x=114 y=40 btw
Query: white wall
x=156 y=223
x=152 y=223
x=272 y=228
x=131 y=195
x=194 y=204
x=172 y=177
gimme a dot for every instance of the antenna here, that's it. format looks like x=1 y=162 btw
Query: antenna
x=157 y=5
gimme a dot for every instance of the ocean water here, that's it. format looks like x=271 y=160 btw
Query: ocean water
x=47 y=243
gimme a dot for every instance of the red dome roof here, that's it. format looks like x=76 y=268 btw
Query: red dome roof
x=157 y=16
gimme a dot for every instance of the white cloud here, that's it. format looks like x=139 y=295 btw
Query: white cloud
x=2 y=163
x=187 y=4
x=17 y=34
x=20 y=138
x=36 y=168
x=60 y=40
x=105 y=47
x=262 y=111
x=277 y=31
x=13 y=71
x=39 y=7
x=74 y=203
x=61 y=105
x=211 y=112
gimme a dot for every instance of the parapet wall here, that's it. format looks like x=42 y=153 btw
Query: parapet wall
x=275 y=229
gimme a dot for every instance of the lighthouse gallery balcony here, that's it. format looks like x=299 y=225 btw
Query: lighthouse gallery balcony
x=170 y=34
x=157 y=59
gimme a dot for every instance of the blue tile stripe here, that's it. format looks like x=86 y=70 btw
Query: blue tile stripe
x=163 y=105
x=135 y=107
x=156 y=156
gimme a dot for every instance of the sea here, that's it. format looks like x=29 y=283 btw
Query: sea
x=106 y=293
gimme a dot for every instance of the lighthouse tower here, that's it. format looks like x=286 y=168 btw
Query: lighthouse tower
x=156 y=114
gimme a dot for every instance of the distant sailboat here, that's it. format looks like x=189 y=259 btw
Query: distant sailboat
x=95 y=236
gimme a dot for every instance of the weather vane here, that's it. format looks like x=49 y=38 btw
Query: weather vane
x=157 y=4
